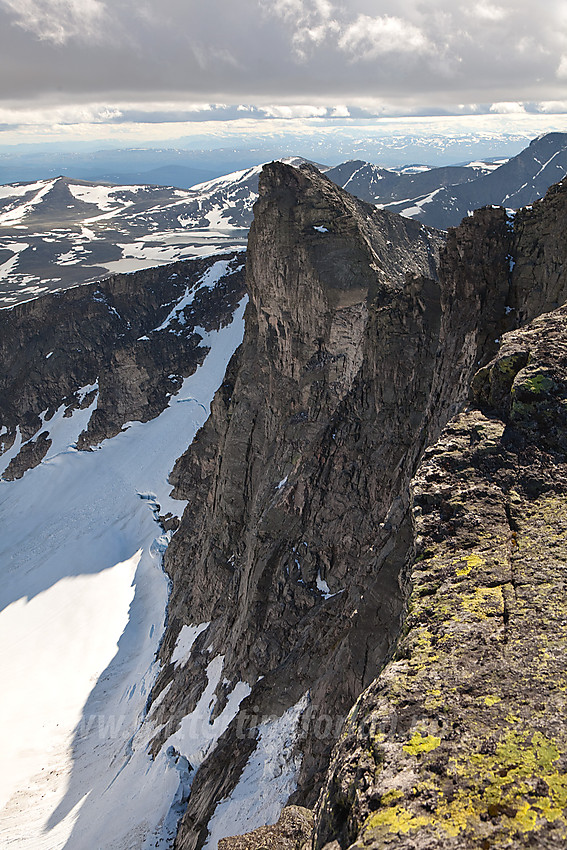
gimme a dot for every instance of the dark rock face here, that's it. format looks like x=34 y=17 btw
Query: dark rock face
x=299 y=535
x=291 y=481
x=106 y=334
x=461 y=742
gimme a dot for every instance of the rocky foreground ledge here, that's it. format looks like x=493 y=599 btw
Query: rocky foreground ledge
x=462 y=741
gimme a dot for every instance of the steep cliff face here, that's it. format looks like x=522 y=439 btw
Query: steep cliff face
x=127 y=342
x=461 y=742
x=294 y=549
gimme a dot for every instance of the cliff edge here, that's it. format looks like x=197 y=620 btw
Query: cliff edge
x=363 y=333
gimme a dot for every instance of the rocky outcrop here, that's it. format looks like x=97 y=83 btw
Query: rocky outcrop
x=298 y=538
x=287 y=544
x=130 y=338
x=291 y=832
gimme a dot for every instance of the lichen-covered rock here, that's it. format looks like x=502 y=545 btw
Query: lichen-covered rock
x=526 y=381
x=291 y=832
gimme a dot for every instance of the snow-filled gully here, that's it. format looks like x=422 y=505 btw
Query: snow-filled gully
x=83 y=600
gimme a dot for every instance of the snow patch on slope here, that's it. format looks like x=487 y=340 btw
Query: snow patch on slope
x=209 y=279
x=18 y=190
x=268 y=780
x=104 y=197
x=198 y=733
x=185 y=640
x=63 y=430
x=20 y=212
x=82 y=601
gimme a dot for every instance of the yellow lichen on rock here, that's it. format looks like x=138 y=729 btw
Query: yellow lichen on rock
x=421 y=744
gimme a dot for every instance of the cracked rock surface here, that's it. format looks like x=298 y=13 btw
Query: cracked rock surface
x=461 y=742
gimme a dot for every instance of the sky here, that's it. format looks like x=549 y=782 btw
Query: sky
x=126 y=71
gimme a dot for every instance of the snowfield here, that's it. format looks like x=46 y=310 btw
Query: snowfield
x=83 y=601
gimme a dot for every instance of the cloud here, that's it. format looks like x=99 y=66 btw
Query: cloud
x=58 y=21
x=416 y=55
x=302 y=111
x=562 y=69
x=63 y=115
x=368 y=38
x=552 y=106
x=311 y=22
x=507 y=108
x=488 y=12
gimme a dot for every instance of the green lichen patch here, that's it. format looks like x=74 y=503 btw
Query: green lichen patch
x=533 y=384
x=491 y=384
x=421 y=744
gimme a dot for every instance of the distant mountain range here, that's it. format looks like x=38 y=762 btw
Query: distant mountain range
x=442 y=197
x=60 y=232
x=391 y=144
x=63 y=231
x=149 y=166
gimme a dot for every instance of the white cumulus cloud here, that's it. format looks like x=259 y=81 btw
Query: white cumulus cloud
x=367 y=38
x=488 y=12
x=311 y=21
x=508 y=108
x=295 y=111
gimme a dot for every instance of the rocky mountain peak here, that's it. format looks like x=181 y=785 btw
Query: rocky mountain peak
x=298 y=545
x=295 y=548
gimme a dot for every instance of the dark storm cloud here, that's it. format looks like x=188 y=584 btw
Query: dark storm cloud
x=262 y=51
